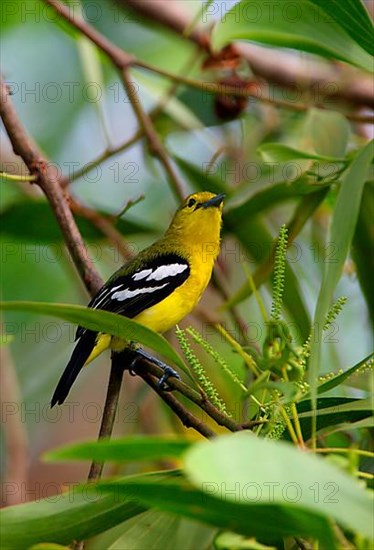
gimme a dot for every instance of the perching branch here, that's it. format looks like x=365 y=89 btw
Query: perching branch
x=188 y=419
x=200 y=399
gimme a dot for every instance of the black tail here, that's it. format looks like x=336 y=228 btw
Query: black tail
x=81 y=352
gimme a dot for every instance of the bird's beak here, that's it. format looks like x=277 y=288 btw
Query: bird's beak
x=214 y=201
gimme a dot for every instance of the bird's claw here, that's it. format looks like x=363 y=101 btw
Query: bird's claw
x=168 y=373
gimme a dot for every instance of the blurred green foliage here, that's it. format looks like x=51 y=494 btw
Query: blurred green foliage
x=277 y=166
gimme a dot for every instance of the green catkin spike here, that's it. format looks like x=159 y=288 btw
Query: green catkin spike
x=198 y=369
x=332 y=314
x=277 y=431
x=216 y=356
x=367 y=366
x=279 y=273
x=334 y=311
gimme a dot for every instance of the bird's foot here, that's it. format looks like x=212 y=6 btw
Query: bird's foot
x=168 y=371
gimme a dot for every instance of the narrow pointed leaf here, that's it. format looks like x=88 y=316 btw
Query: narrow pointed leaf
x=177 y=495
x=126 y=449
x=302 y=26
x=102 y=321
x=353 y=17
x=341 y=233
x=79 y=513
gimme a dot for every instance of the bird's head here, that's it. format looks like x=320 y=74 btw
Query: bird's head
x=199 y=218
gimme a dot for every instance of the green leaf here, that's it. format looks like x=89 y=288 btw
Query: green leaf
x=251 y=518
x=353 y=17
x=126 y=449
x=42 y=228
x=103 y=321
x=363 y=246
x=48 y=546
x=300 y=26
x=340 y=378
x=325 y=133
x=79 y=513
x=269 y=198
x=232 y=541
x=319 y=142
x=223 y=466
x=341 y=233
x=277 y=152
x=154 y=530
x=290 y=390
x=350 y=426
x=332 y=411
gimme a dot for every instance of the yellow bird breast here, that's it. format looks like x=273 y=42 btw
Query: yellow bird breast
x=170 y=311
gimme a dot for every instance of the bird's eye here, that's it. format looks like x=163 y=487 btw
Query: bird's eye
x=191 y=202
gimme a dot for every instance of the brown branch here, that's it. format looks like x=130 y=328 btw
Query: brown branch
x=200 y=399
x=168 y=14
x=187 y=418
x=24 y=146
x=104 y=225
x=276 y=67
x=155 y=144
x=251 y=90
x=123 y=61
x=110 y=409
x=119 y=57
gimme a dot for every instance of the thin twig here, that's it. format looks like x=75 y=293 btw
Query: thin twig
x=17 y=177
x=155 y=144
x=104 y=225
x=108 y=153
